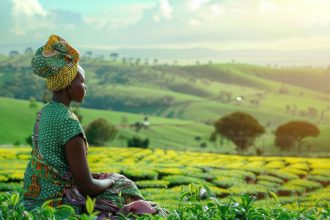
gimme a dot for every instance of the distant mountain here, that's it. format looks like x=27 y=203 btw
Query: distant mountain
x=264 y=57
x=204 y=55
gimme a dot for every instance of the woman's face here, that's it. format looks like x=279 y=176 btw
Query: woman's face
x=78 y=87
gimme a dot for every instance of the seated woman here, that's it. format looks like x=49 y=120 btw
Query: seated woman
x=58 y=169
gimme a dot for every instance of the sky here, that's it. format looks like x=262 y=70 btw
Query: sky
x=285 y=25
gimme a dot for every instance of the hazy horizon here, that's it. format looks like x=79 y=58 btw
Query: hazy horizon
x=290 y=29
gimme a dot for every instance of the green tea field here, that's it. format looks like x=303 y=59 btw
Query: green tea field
x=161 y=174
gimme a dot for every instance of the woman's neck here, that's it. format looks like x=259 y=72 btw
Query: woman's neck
x=61 y=97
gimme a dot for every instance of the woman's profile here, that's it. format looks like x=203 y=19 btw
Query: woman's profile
x=58 y=168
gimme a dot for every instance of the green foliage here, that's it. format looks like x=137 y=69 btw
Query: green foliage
x=292 y=133
x=284 y=175
x=29 y=140
x=99 y=131
x=33 y=103
x=152 y=184
x=138 y=174
x=175 y=180
x=226 y=182
x=307 y=184
x=239 y=127
x=138 y=142
x=270 y=179
x=11 y=207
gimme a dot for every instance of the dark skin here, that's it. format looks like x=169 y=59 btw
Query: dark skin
x=75 y=148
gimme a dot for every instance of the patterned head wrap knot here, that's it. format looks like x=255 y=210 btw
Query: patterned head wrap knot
x=56 y=61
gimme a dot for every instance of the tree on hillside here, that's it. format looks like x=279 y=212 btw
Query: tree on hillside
x=239 y=127
x=99 y=131
x=89 y=54
x=293 y=133
x=13 y=53
x=114 y=56
x=28 y=50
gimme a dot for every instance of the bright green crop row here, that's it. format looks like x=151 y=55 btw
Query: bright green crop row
x=160 y=174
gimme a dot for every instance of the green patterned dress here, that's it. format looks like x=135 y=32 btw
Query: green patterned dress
x=47 y=175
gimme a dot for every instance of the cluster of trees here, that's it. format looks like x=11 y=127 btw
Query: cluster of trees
x=239 y=127
x=242 y=129
x=100 y=131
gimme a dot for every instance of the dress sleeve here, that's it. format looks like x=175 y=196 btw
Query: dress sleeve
x=70 y=127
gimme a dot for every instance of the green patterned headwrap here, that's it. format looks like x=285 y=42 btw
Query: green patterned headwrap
x=56 y=61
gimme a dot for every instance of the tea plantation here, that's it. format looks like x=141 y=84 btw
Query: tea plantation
x=161 y=174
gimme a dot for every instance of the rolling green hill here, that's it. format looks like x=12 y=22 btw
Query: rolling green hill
x=17 y=120
x=195 y=94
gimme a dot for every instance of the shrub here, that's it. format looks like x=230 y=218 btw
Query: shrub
x=289 y=190
x=137 y=174
x=152 y=184
x=99 y=131
x=226 y=182
x=307 y=184
x=138 y=142
x=282 y=174
x=176 y=180
x=270 y=179
x=258 y=190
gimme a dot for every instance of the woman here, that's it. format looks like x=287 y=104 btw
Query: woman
x=58 y=169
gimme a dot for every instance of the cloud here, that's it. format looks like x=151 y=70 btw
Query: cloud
x=114 y=17
x=28 y=8
x=28 y=15
x=213 y=23
x=165 y=9
x=266 y=6
x=196 y=4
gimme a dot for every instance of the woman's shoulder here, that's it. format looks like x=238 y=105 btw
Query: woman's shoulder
x=59 y=111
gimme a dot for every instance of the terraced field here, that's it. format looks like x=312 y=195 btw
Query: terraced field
x=160 y=174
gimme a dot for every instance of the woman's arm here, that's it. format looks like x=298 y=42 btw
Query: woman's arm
x=77 y=161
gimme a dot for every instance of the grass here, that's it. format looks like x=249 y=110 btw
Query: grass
x=18 y=120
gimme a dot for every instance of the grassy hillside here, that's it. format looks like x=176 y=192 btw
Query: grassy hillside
x=17 y=120
x=197 y=93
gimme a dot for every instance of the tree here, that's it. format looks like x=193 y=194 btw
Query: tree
x=89 y=54
x=13 y=53
x=239 y=127
x=28 y=50
x=114 y=56
x=99 y=131
x=292 y=134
